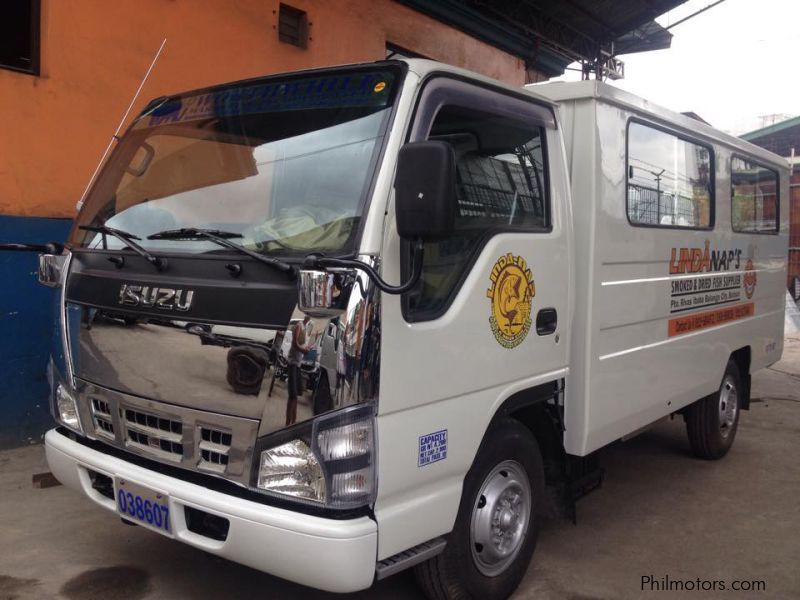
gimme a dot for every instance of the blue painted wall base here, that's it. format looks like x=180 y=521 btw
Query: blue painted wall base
x=26 y=322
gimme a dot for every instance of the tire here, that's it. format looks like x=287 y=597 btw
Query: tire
x=246 y=369
x=508 y=463
x=712 y=422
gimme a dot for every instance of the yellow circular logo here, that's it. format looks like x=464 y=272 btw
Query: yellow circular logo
x=511 y=294
x=379 y=87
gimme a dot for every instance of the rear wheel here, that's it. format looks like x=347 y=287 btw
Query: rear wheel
x=712 y=422
x=494 y=536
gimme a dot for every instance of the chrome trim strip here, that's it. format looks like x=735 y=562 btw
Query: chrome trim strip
x=689 y=276
x=151 y=431
x=62 y=312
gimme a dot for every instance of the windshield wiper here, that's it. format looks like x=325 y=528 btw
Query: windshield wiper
x=127 y=238
x=192 y=233
x=222 y=238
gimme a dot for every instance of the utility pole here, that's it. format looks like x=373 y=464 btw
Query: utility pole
x=658 y=193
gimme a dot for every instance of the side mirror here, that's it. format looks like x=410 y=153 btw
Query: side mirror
x=51 y=267
x=425 y=190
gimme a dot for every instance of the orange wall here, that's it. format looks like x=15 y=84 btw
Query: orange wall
x=54 y=128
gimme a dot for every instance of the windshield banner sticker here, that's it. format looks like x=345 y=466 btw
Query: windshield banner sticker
x=708 y=278
x=511 y=293
x=348 y=90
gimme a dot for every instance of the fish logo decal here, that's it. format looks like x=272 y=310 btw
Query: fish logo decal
x=750 y=279
x=511 y=293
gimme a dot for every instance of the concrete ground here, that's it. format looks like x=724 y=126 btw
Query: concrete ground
x=660 y=513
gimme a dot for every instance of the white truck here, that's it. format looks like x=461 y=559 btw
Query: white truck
x=506 y=280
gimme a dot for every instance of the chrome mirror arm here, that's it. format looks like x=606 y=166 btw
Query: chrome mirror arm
x=318 y=261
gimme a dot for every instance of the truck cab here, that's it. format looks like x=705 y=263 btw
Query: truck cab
x=343 y=318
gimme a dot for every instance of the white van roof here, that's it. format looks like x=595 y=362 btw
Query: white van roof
x=565 y=91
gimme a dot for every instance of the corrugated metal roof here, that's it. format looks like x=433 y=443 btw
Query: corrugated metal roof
x=770 y=129
x=550 y=34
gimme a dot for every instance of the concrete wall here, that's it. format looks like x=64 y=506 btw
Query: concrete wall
x=25 y=330
x=54 y=128
x=94 y=54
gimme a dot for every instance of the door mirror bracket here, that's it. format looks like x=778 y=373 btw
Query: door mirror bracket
x=317 y=261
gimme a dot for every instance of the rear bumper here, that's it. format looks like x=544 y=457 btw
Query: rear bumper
x=332 y=555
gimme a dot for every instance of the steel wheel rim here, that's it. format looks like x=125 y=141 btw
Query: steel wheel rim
x=500 y=518
x=728 y=406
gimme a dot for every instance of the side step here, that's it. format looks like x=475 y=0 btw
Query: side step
x=408 y=558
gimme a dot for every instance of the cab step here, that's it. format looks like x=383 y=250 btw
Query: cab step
x=408 y=558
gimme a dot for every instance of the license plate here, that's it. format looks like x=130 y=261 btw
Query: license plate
x=143 y=506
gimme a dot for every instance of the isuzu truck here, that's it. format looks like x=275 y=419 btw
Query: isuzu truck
x=338 y=323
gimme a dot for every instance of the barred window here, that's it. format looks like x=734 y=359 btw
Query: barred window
x=503 y=188
x=754 y=197
x=293 y=26
x=670 y=180
x=19 y=36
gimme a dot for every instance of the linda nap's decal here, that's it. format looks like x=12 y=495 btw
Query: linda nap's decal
x=511 y=293
x=432 y=448
x=719 y=280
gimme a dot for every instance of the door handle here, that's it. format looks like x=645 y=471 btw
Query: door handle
x=546 y=321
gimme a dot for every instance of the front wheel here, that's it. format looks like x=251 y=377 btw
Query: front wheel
x=712 y=422
x=495 y=532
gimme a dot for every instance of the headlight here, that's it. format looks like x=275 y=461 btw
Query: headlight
x=67 y=408
x=292 y=469
x=329 y=461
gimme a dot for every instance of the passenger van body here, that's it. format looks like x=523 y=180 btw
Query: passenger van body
x=338 y=323
x=655 y=331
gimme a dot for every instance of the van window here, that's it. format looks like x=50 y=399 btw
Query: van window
x=502 y=186
x=670 y=180
x=754 y=197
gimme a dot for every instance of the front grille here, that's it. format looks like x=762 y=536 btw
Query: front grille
x=101 y=415
x=214 y=446
x=155 y=434
x=147 y=420
x=177 y=435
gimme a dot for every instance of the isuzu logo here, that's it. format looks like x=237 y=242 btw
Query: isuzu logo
x=158 y=297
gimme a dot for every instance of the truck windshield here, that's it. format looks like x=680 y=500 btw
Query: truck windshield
x=284 y=162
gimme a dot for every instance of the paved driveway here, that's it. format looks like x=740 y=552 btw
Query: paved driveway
x=660 y=514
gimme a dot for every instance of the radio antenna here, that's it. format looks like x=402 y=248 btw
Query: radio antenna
x=115 y=137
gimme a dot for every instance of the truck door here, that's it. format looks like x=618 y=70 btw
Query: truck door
x=490 y=316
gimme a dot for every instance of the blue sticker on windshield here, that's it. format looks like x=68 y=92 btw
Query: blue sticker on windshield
x=337 y=90
x=432 y=448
